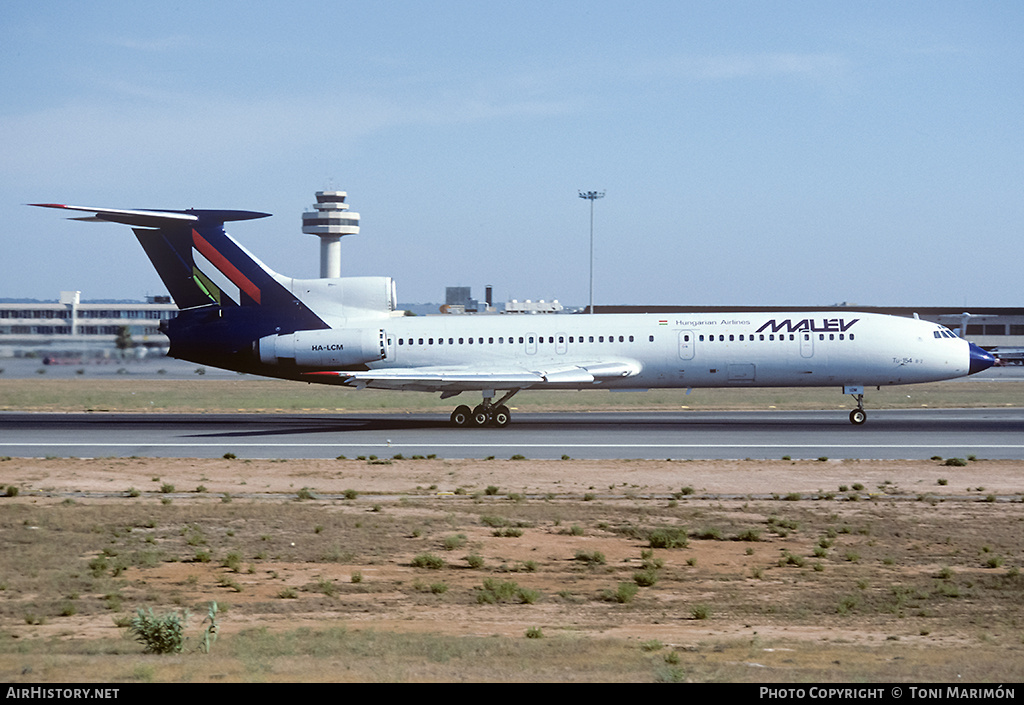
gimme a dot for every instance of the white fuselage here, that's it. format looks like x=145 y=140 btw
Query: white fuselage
x=687 y=350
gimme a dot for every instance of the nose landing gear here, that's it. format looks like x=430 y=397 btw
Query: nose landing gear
x=858 y=416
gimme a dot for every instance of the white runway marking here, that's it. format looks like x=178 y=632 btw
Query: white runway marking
x=371 y=444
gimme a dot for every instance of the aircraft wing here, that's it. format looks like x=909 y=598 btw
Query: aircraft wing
x=452 y=380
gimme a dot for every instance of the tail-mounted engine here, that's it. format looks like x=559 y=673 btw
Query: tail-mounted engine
x=324 y=349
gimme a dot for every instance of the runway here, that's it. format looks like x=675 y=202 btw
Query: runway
x=893 y=434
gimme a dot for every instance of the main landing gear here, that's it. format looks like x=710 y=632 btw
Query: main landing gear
x=485 y=414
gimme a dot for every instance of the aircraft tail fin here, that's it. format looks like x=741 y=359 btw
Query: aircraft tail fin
x=200 y=264
x=228 y=298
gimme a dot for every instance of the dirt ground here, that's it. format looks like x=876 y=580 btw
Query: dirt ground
x=805 y=557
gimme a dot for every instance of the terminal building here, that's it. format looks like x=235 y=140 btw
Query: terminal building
x=459 y=299
x=71 y=327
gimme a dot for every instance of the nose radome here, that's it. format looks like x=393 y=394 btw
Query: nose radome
x=980 y=360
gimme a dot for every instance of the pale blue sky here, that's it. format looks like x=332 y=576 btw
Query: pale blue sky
x=766 y=153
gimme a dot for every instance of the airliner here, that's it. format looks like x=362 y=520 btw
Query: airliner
x=238 y=314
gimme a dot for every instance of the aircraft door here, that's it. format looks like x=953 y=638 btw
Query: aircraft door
x=531 y=343
x=560 y=345
x=384 y=343
x=806 y=344
x=686 y=342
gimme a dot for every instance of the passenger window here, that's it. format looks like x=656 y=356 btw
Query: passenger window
x=650 y=338
x=421 y=341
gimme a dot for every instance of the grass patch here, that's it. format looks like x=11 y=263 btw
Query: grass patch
x=98 y=561
x=260 y=395
x=429 y=561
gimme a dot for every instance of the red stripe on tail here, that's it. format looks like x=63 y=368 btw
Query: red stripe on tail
x=226 y=268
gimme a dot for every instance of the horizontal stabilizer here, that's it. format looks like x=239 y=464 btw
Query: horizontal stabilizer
x=154 y=218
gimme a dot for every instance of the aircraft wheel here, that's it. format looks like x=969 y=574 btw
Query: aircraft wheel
x=461 y=416
x=480 y=416
x=858 y=416
x=501 y=417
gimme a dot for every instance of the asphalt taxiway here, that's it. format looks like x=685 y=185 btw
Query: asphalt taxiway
x=888 y=434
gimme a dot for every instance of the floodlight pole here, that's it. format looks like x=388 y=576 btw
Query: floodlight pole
x=591 y=196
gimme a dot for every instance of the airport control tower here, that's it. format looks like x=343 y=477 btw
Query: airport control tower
x=330 y=221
